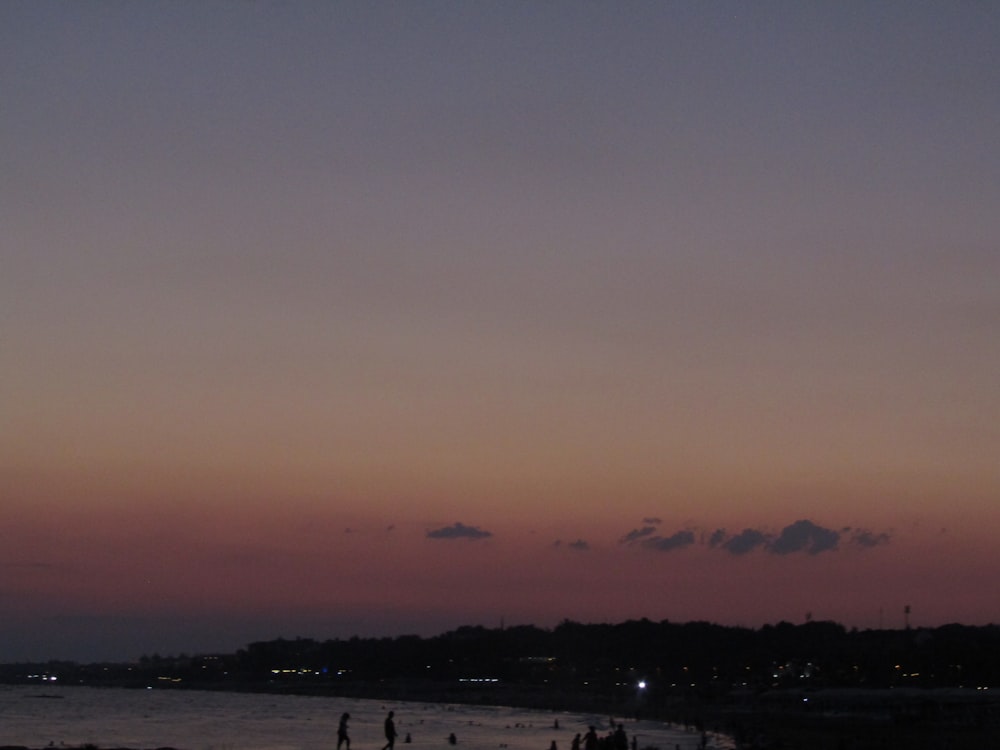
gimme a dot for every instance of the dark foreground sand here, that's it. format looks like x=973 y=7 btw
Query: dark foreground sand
x=865 y=735
x=793 y=735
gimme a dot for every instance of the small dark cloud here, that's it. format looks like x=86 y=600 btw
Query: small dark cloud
x=458 y=531
x=867 y=539
x=654 y=521
x=746 y=541
x=578 y=546
x=801 y=536
x=805 y=536
x=667 y=543
x=636 y=534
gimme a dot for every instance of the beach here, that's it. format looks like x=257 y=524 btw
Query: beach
x=215 y=720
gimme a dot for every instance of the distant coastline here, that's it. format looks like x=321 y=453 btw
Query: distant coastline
x=812 y=682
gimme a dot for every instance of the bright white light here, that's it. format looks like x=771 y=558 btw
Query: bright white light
x=642 y=684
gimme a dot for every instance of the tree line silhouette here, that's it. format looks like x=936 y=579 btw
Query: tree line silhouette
x=606 y=660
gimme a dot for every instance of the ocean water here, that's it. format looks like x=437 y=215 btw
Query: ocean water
x=199 y=720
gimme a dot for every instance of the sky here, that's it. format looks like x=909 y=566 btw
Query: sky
x=382 y=318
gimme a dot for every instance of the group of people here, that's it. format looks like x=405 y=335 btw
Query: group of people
x=614 y=740
x=344 y=739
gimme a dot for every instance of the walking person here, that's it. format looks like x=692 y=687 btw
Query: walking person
x=390 y=732
x=342 y=737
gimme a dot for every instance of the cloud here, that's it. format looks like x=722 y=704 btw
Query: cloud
x=746 y=541
x=805 y=536
x=868 y=539
x=654 y=521
x=801 y=536
x=578 y=546
x=636 y=534
x=458 y=531
x=667 y=543
x=647 y=537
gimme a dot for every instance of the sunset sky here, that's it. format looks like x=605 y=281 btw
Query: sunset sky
x=378 y=318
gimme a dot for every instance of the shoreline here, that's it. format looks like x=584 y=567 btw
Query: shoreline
x=919 y=723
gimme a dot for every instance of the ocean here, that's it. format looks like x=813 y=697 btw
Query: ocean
x=37 y=717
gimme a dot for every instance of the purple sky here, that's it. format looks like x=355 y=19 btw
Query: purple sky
x=327 y=319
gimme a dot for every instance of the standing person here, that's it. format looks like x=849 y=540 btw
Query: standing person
x=390 y=732
x=590 y=739
x=342 y=738
x=619 y=740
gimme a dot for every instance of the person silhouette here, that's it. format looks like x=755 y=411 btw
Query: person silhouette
x=390 y=732
x=619 y=739
x=342 y=737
